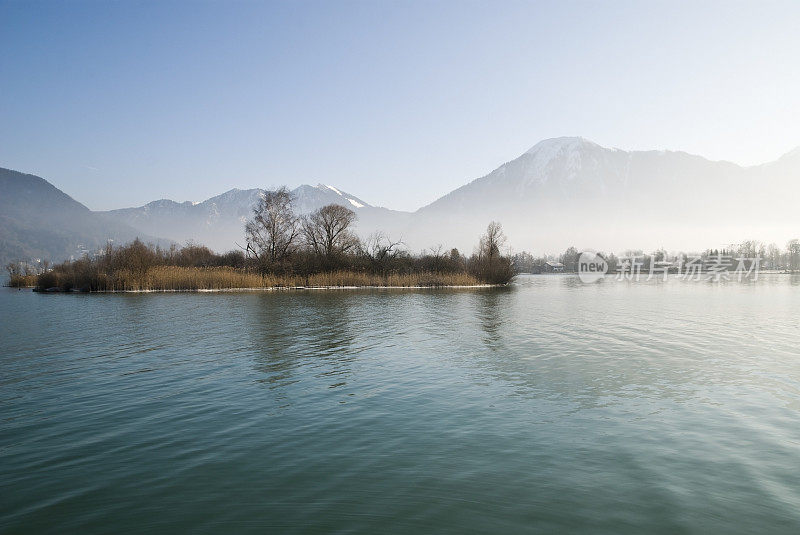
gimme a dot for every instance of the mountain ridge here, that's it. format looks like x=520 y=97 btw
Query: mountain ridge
x=38 y=220
x=219 y=221
x=567 y=190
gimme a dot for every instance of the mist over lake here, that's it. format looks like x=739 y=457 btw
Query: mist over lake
x=546 y=406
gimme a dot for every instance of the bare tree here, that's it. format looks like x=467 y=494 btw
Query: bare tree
x=793 y=248
x=751 y=249
x=492 y=241
x=380 y=250
x=488 y=264
x=327 y=231
x=437 y=257
x=272 y=233
x=13 y=269
x=774 y=255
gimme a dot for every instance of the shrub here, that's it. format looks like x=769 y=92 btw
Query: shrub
x=47 y=280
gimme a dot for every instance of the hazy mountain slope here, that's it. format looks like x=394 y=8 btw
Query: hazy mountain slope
x=562 y=191
x=562 y=171
x=37 y=220
x=572 y=191
x=216 y=222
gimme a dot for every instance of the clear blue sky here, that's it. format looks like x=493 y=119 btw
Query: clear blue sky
x=120 y=103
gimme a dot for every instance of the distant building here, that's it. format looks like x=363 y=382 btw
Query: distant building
x=553 y=267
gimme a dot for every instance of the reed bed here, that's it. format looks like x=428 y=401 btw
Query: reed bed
x=22 y=281
x=160 y=278
x=351 y=278
x=176 y=278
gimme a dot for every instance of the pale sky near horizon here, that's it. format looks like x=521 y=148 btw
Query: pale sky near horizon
x=121 y=103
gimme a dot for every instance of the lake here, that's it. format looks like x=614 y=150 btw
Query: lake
x=548 y=406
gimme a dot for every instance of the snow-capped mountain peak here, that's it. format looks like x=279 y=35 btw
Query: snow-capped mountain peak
x=562 y=159
x=349 y=198
x=218 y=221
x=309 y=198
x=549 y=148
x=326 y=186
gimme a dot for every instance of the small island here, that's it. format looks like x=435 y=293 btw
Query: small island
x=283 y=250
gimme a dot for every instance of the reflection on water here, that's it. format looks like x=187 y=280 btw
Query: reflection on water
x=291 y=331
x=490 y=308
x=546 y=406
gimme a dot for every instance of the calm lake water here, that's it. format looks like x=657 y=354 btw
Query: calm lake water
x=549 y=406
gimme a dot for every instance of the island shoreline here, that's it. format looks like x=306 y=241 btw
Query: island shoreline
x=265 y=289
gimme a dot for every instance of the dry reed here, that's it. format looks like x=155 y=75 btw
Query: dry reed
x=175 y=278
x=22 y=281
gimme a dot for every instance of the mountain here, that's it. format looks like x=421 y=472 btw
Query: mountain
x=38 y=220
x=558 y=172
x=572 y=191
x=562 y=191
x=219 y=221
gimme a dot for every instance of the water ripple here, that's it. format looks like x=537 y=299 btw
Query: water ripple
x=547 y=406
